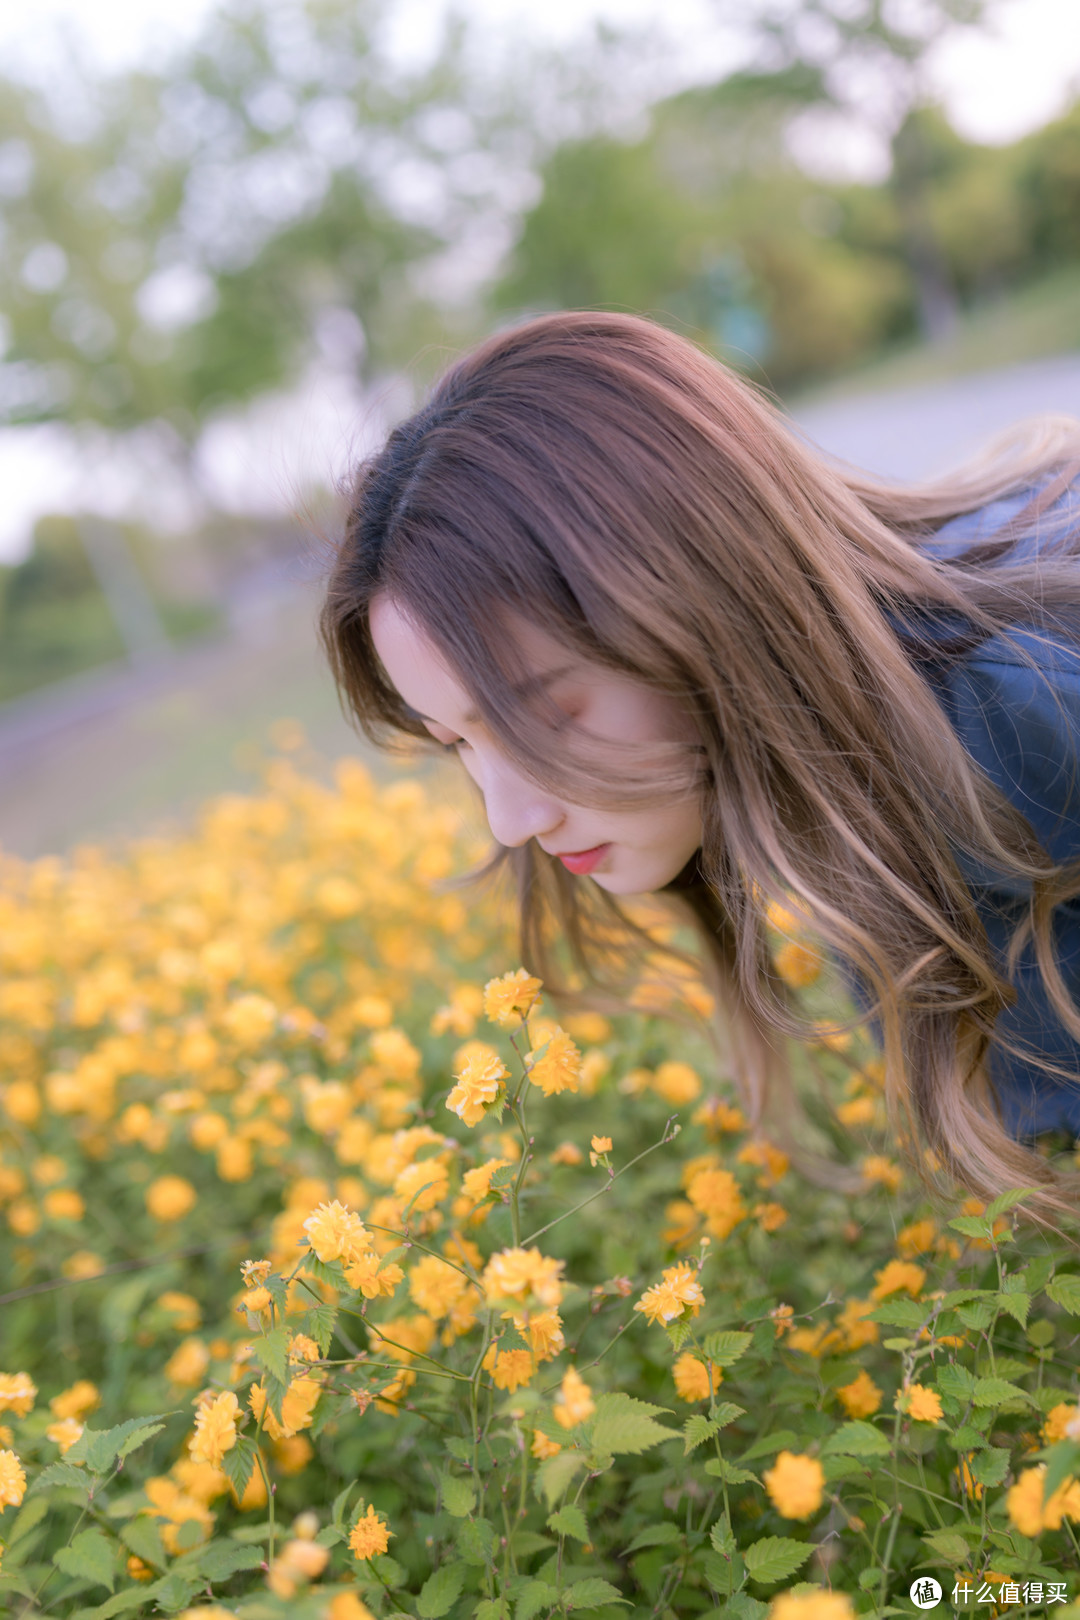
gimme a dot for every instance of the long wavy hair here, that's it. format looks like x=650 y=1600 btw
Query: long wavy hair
x=657 y=514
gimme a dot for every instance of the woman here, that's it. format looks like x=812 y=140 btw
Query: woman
x=681 y=654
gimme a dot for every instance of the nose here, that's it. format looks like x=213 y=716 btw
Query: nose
x=516 y=808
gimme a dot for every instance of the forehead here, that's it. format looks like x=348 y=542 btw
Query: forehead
x=423 y=678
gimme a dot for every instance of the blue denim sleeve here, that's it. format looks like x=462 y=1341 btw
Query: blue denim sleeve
x=1022 y=725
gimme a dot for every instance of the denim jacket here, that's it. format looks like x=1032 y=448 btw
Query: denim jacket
x=1022 y=726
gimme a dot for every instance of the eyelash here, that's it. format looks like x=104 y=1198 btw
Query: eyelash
x=453 y=747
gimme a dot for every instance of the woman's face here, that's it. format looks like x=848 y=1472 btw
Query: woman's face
x=636 y=850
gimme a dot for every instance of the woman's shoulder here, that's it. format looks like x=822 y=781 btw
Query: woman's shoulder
x=1041 y=512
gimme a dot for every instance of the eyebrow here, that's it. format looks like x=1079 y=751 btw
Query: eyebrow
x=534 y=683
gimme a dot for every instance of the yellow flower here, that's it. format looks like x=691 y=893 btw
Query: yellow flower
x=852 y=1326
x=796 y=1485
x=677 y=1083
x=917 y=1238
x=347 y=1606
x=77 y=1401
x=519 y=1274
x=1027 y=1510
x=576 y=1403
x=297 y=1408
x=857 y=1111
x=215 y=1429
x=12 y=1480
x=715 y=1193
x=876 y=1169
x=566 y=1153
x=811 y=1606
x=64 y=1204
x=542 y=1447
x=18 y=1392
x=678 y=1293
x=510 y=997
x=336 y=1233
x=862 y=1397
x=64 y=1433
x=184 y=1308
x=693 y=1380
x=598 y=1145
x=173 y=1505
x=797 y=964
x=772 y=1161
x=896 y=1277
x=170 y=1198
x=435 y=1286
x=1059 y=1419
x=478 y=1085
x=770 y=1217
x=369 y=1535
x=542 y=1329
x=559 y=1066
x=188 y=1363
x=921 y=1404
x=509 y=1368
x=431 y=1176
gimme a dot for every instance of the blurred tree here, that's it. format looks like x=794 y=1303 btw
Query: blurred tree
x=872 y=57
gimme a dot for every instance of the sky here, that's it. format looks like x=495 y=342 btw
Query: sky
x=996 y=88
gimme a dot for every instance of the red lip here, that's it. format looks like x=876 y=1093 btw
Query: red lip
x=583 y=861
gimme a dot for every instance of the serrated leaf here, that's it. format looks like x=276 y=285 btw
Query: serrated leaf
x=238 y=1464
x=331 y=1271
x=61 y=1473
x=905 y=1313
x=142 y=1536
x=475 y=1539
x=741 y=1606
x=1006 y=1201
x=774 y=1558
x=132 y=1597
x=624 y=1426
x=726 y=1348
x=1017 y=1305
x=569 y=1521
x=533 y=1599
x=1065 y=1291
x=271 y=1350
x=977 y=1316
x=858 y=1439
x=724 y=1575
x=458 y=1495
x=591 y=1593
x=1062 y=1462
x=697 y=1429
x=722 y=1537
x=962 y=1296
x=678 y=1333
x=972 y=1225
x=173 y=1592
x=441 y=1591
x=99 y=1448
x=503 y=1176
x=29 y=1516
x=319 y=1325
x=458 y=1448
x=655 y=1535
x=948 y=1545
x=91 y=1557
x=955 y=1381
x=720 y=1468
x=218 y=1560
x=341 y=1503
x=555 y=1474
x=996 y=1391
x=990 y=1466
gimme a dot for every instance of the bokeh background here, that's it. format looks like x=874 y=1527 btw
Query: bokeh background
x=239 y=239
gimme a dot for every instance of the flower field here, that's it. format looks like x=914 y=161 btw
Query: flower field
x=342 y=1276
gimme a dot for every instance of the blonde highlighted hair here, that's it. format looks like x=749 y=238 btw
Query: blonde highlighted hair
x=658 y=515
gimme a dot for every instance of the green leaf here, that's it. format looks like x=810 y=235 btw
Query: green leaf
x=774 y=1558
x=1017 y=1305
x=341 y=1504
x=173 y=1592
x=503 y=1176
x=218 y=1560
x=956 y=1381
x=961 y=1296
x=458 y=1495
x=858 y=1439
x=977 y=1316
x=724 y=1575
x=271 y=1350
x=142 y=1536
x=904 y=1313
x=91 y=1556
x=555 y=1474
x=238 y=1464
x=624 y=1426
x=996 y=1391
x=744 y=1607
x=28 y=1517
x=569 y=1521
x=475 y=1539
x=1006 y=1201
x=726 y=1348
x=319 y=1325
x=99 y=1448
x=948 y=1544
x=722 y=1537
x=767 y=1445
x=1062 y=1462
x=132 y=1597
x=592 y=1593
x=678 y=1333
x=695 y=1430
x=491 y=1608
x=458 y=1448
x=61 y=1473
x=1065 y=1291
x=655 y=1535
x=441 y=1591
x=534 y=1597
x=991 y=1465
x=972 y=1225
x=720 y=1468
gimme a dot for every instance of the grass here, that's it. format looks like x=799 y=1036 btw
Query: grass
x=1041 y=320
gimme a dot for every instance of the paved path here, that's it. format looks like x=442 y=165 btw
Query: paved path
x=120 y=752
x=915 y=432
